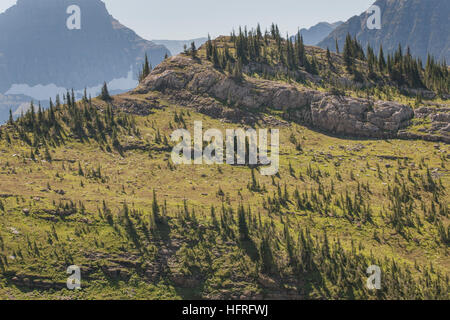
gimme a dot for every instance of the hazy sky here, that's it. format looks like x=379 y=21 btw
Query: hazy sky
x=184 y=19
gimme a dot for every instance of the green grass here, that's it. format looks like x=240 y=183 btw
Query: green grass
x=336 y=207
x=86 y=239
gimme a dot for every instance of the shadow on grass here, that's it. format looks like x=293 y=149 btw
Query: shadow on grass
x=250 y=249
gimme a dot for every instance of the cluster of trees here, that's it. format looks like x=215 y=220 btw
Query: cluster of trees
x=402 y=213
x=352 y=51
x=70 y=119
x=286 y=251
x=402 y=68
x=405 y=197
x=254 y=46
x=272 y=49
x=145 y=70
x=436 y=75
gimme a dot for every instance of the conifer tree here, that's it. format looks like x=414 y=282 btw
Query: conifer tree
x=237 y=71
x=215 y=56
x=381 y=60
x=11 y=119
x=209 y=48
x=330 y=63
x=146 y=69
x=105 y=93
x=347 y=54
x=266 y=256
x=193 y=50
x=155 y=207
x=85 y=98
x=242 y=222
x=47 y=155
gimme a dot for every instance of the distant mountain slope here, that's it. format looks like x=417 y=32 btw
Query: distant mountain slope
x=177 y=46
x=39 y=55
x=423 y=25
x=317 y=33
x=16 y=103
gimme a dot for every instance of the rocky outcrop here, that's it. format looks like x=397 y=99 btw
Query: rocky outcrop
x=427 y=137
x=35 y=282
x=359 y=117
x=197 y=84
x=435 y=124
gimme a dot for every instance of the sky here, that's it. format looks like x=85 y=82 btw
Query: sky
x=188 y=19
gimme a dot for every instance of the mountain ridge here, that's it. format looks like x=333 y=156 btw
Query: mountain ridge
x=177 y=46
x=315 y=34
x=37 y=49
x=417 y=24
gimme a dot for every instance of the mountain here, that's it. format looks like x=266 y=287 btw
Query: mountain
x=420 y=24
x=40 y=56
x=177 y=46
x=317 y=33
x=16 y=103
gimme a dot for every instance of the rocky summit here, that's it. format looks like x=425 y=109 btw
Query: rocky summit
x=196 y=83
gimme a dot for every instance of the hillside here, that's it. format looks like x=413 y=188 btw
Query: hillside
x=420 y=25
x=309 y=86
x=92 y=183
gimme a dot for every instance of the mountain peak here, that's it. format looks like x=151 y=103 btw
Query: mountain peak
x=101 y=50
x=318 y=32
x=40 y=56
x=419 y=24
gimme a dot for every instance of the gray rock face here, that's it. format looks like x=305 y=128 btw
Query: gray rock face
x=359 y=117
x=439 y=119
x=199 y=85
x=420 y=24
